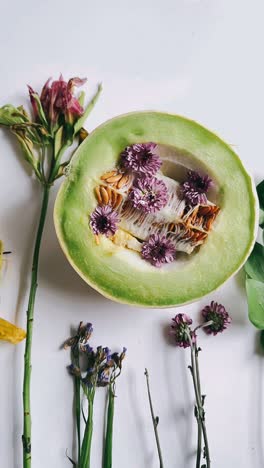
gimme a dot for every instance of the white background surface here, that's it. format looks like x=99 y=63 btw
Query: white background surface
x=202 y=59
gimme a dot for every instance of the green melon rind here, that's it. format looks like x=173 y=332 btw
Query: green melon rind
x=149 y=287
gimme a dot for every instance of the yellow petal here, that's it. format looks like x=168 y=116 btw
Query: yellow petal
x=11 y=333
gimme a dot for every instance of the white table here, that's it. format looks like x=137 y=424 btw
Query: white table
x=203 y=59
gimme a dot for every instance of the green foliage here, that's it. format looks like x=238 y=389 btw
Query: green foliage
x=255 y=296
x=10 y=115
x=254 y=269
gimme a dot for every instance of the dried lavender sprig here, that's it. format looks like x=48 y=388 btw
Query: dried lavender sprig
x=155 y=420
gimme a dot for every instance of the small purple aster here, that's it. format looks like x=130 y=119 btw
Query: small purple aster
x=194 y=189
x=158 y=250
x=180 y=329
x=218 y=315
x=141 y=158
x=104 y=220
x=149 y=194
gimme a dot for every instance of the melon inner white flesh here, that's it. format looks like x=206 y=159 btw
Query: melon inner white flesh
x=187 y=227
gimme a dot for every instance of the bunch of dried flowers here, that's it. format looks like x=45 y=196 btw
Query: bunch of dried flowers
x=92 y=368
x=215 y=319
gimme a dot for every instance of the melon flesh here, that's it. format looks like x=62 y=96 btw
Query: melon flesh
x=119 y=272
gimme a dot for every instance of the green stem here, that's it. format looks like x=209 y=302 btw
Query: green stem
x=155 y=421
x=204 y=430
x=199 y=434
x=109 y=429
x=88 y=433
x=199 y=404
x=77 y=402
x=199 y=444
x=26 y=438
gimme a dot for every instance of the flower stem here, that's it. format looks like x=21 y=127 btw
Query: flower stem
x=155 y=420
x=204 y=430
x=26 y=438
x=199 y=406
x=88 y=433
x=109 y=429
x=77 y=402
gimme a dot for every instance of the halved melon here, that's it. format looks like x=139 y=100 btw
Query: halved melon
x=113 y=266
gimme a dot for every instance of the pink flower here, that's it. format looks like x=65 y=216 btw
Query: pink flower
x=58 y=100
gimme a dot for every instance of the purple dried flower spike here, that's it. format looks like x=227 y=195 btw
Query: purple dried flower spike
x=104 y=220
x=194 y=189
x=158 y=250
x=180 y=329
x=218 y=315
x=141 y=158
x=149 y=194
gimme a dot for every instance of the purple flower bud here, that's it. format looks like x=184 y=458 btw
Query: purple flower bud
x=58 y=100
x=74 y=370
x=181 y=330
x=217 y=314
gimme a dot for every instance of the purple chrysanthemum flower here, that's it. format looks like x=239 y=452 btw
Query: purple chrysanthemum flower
x=149 y=194
x=194 y=189
x=180 y=329
x=104 y=220
x=141 y=158
x=158 y=250
x=218 y=315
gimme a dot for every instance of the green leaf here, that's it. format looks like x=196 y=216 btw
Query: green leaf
x=41 y=113
x=260 y=192
x=81 y=98
x=80 y=122
x=261 y=339
x=261 y=218
x=58 y=141
x=255 y=297
x=27 y=149
x=10 y=115
x=254 y=266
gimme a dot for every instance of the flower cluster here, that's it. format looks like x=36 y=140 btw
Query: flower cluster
x=215 y=319
x=194 y=189
x=101 y=367
x=58 y=101
x=147 y=194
